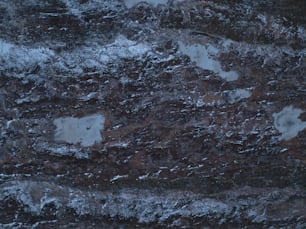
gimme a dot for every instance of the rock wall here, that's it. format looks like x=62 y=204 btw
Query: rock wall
x=173 y=114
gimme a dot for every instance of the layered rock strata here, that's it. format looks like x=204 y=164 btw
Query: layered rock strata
x=174 y=114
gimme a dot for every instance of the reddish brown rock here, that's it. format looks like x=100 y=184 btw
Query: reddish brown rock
x=184 y=142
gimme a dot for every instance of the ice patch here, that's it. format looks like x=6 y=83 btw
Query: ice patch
x=86 y=130
x=203 y=57
x=288 y=123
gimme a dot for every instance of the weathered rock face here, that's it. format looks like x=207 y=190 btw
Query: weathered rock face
x=179 y=114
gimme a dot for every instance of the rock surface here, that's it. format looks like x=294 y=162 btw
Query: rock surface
x=173 y=114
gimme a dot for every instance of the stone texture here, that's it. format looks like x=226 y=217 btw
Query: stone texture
x=180 y=145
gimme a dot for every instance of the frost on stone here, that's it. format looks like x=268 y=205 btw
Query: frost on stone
x=86 y=130
x=288 y=123
x=203 y=57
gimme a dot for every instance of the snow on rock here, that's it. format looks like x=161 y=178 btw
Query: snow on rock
x=22 y=60
x=118 y=177
x=203 y=56
x=288 y=123
x=178 y=142
x=86 y=130
x=77 y=7
x=146 y=206
x=19 y=58
x=33 y=195
x=123 y=48
x=62 y=151
x=131 y=3
x=96 y=56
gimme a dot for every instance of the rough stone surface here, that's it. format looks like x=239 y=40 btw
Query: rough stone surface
x=152 y=114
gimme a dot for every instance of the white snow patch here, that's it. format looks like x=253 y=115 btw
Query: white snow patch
x=96 y=56
x=20 y=58
x=123 y=47
x=131 y=3
x=28 y=99
x=144 y=205
x=35 y=198
x=122 y=145
x=73 y=7
x=203 y=57
x=79 y=204
x=288 y=123
x=143 y=177
x=13 y=225
x=238 y=94
x=67 y=151
x=86 y=130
